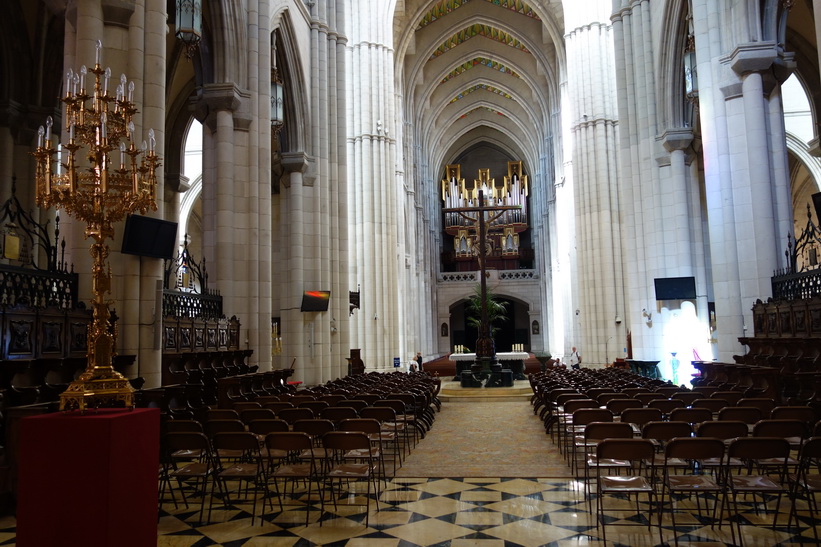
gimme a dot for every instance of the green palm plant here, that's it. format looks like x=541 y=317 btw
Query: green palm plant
x=496 y=310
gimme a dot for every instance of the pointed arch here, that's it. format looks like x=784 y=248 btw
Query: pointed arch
x=292 y=73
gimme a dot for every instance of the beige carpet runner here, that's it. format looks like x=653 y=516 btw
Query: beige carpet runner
x=485 y=439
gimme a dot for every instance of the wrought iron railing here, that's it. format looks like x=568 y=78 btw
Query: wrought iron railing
x=801 y=279
x=185 y=289
x=31 y=273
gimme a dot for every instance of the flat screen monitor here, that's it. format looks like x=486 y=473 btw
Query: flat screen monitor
x=315 y=300
x=147 y=236
x=675 y=288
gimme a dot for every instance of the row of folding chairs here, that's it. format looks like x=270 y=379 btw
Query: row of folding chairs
x=310 y=457
x=735 y=476
x=648 y=423
x=262 y=421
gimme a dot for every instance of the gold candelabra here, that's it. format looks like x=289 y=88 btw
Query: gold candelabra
x=95 y=189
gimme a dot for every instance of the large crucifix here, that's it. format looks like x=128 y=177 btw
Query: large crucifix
x=485 y=347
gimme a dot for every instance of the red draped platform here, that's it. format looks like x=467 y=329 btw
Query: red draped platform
x=89 y=480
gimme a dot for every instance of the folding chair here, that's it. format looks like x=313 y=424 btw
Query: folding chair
x=198 y=468
x=732 y=397
x=222 y=414
x=356 y=404
x=249 y=468
x=693 y=416
x=661 y=432
x=341 y=468
x=764 y=404
x=747 y=414
x=715 y=405
x=372 y=428
x=251 y=414
x=617 y=406
x=315 y=405
x=291 y=415
x=391 y=430
x=804 y=414
x=635 y=482
x=637 y=417
x=687 y=396
x=293 y=470
x=565 y=415
x=666 y=405
x=727 y=431
x=750 y=480
x=594 y=433
x=689 y=479
x=410 y=428
x=807 y=482
x=577 y=426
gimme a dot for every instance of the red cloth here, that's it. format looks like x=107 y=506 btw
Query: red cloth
x=89 y=480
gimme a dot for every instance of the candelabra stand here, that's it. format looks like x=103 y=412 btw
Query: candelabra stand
x=81 y=178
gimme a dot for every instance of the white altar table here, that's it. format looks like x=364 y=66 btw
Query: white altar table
x=504 y=356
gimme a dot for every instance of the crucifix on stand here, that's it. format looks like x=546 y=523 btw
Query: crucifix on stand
x=485 y=347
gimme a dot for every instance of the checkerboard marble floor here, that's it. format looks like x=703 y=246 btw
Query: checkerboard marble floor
x=460 y=512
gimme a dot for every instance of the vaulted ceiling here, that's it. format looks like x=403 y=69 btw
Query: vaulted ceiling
x=477 y=73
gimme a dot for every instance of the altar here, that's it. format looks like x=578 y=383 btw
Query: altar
x=513 y=360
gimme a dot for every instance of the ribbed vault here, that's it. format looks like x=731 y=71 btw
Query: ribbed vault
x=474 y=71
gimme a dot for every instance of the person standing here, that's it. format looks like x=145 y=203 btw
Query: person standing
x=418 y=360
x=575 y=359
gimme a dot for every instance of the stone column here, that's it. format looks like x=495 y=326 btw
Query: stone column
x=373 y=190
x=718 y=176
x=751 y=192
x=589 y=44
x=221 y=101
x=677 y=233
x=294 y=224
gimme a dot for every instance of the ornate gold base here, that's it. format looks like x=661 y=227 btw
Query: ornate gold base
x=111 y=392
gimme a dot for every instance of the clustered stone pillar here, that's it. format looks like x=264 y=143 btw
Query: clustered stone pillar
x=373 y=192
x=592 y=96
x=314 y=211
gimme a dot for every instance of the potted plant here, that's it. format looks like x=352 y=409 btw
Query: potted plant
x=496 y=311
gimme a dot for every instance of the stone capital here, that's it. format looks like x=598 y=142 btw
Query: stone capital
x=299 y=162
x=677 y=138
x=117 y=12
x=177 y=181
x=295 y=162
x=752 y=57
x=815 y=147
x=213 y=98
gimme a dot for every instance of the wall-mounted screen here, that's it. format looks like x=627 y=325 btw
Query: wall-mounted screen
x=315 y=300
x=675 y=288
x=147 y=236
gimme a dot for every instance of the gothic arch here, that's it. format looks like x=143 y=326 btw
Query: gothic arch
x=297 y=135
x=177 y=121
x=187 y=202
x=230 y=54
x=670 y=68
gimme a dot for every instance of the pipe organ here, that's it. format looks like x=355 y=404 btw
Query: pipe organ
x=503 y=230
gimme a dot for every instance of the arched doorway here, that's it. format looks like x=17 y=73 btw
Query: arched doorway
x=514 y=330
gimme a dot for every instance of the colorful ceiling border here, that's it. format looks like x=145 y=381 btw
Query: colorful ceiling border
x=478 y=30
x=444 y=7
x=495 y=65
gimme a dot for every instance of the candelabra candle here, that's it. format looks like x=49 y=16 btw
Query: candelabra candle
x=83 y=72
x=69 y=79
x=105 y=81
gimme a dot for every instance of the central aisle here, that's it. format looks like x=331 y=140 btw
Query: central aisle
x=485 y=439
